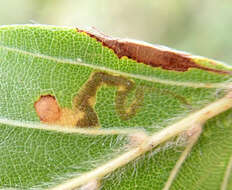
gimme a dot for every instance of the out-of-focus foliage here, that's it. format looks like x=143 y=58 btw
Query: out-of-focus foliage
x=200 y=27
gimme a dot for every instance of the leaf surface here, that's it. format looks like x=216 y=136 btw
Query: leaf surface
x=73 y=101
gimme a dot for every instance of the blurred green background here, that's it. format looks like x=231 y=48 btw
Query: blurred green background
x=202 y=27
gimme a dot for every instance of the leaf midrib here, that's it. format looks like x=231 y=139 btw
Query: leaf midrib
x=188 y=123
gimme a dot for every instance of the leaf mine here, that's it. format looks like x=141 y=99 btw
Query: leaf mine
x=83 y=113
x=47 y=109
x=154 y=56
x=142 y=96
x=85 y=100
x=49 y=112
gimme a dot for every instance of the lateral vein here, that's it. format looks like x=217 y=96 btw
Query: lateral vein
x=67 y=129
x=224 y=85
x=191 y=142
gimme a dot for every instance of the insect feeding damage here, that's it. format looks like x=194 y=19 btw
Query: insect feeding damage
x=49 y=112
x=85 y=100
x=149 y=54
x=83 y=113
x=47 y=109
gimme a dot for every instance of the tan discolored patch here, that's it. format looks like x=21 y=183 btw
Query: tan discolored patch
x=92 y=101
x=47 y=109
x=121 y=88
x=50 y=112
x=69 y=117
x=149 y=54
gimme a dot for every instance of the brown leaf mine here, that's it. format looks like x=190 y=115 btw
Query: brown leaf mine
x=154 y=56
x=83 y=113
x=47 y=109
x=85 y=100
x=50 y=112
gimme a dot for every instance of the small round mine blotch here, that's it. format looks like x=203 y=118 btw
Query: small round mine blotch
x=47 y=109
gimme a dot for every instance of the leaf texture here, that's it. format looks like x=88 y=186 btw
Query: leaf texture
x=73 y=100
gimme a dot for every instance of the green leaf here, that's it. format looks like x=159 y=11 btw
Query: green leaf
x=78 y=108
